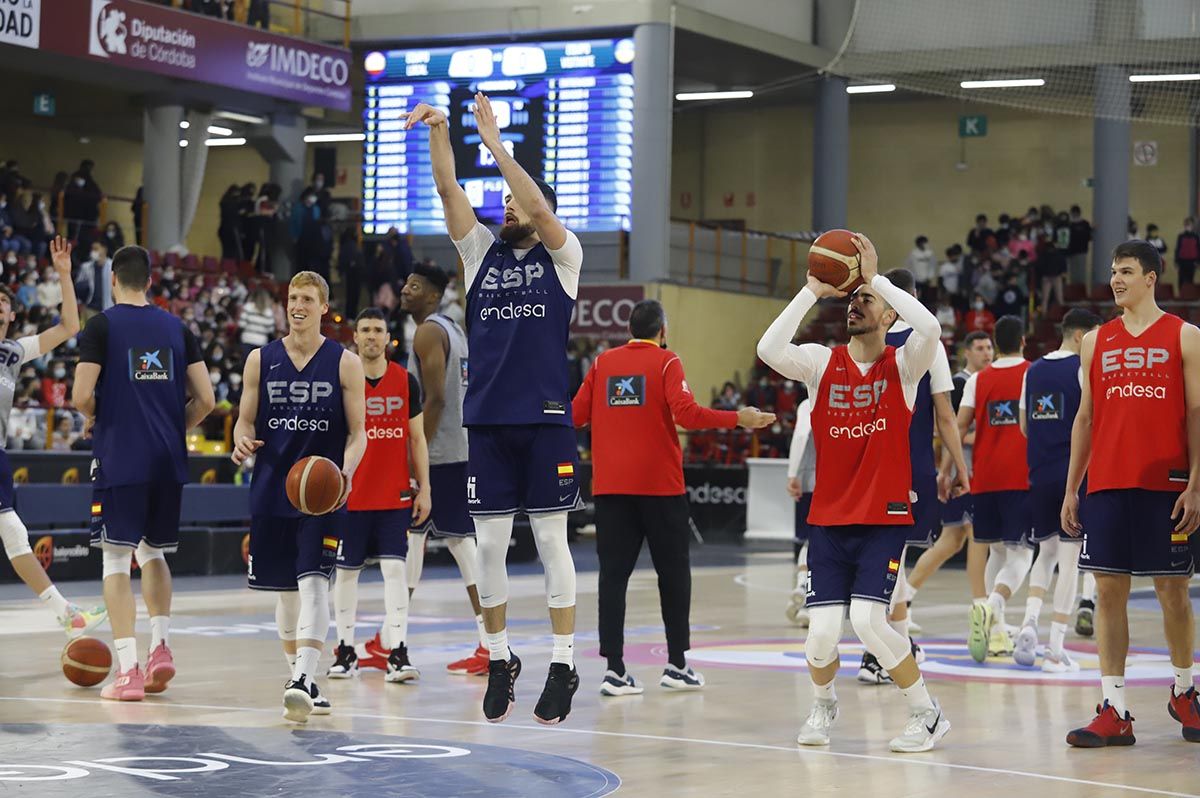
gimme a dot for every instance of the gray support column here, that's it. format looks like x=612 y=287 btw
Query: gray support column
x=286 y=158
x=1110 y=165
x=161 y=169
x=831 y=154
x=653 y=103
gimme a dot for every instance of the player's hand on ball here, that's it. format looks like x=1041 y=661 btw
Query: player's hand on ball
x=60 y=256
x=823 y=290
x=1187 y=510
x=485 y=122
x=753 y=418
x=423 y=114
x=422 y=506
x=244 y=448
x=1070 y=515
x=793 y=488
x=868 y=258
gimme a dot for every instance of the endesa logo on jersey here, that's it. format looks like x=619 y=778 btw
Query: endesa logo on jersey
x=513 y=311
x=384 y=418
x=298 y=395
x=1134 y=358
x=857 y=431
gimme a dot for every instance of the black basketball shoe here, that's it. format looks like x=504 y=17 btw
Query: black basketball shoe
x=555 y=703
x=345 y=663
x=500 y=697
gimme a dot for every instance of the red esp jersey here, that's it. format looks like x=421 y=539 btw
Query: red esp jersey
x=999 y=461
x=1139 y=412
x=382 y=480
x=860 y=434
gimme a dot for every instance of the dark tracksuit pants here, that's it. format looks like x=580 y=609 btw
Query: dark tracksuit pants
x=622 y=523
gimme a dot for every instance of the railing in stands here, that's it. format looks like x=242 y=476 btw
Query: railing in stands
x=714 y=255
x=303 y=18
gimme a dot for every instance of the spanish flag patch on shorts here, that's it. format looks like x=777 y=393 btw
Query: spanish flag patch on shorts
x=893 y=566
x=96 y=508
x=330 y=543
x=1176 y=537
x=566 y=470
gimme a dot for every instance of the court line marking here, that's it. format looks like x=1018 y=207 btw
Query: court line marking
x=900 y=759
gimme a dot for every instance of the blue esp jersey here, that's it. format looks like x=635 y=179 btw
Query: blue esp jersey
x=300 y=413
x=518 y=322
x=920 y=430
x=1051 y=400
x=144 y=353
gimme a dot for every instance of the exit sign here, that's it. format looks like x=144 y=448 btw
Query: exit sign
x=970 y=127
x=43 y=104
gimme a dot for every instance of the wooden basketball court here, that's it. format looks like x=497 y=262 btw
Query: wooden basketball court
x=218 y=729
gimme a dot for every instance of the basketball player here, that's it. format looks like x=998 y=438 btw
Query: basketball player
x=517 y=409
x=381 y=505
x=956 y=510
x=440 y=368
x=861 y=515
x=932 y=407
x=999 y=484
x=802 y=475
x=302 y=395
x=1049 y=401
x=143 y=382
x=74 y=620
x=1137 y=436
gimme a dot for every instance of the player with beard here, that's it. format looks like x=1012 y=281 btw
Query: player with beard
x=861 y=515
x=517 y=409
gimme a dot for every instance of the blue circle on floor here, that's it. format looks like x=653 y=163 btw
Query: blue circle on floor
x=145 y=760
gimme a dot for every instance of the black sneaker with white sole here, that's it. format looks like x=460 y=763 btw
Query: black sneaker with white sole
x=501 y=694
x=675 y=679
x=555 y=704
x=871 y=672
x=297 y=700
x=399 y=669
x=321 y=705
x=345 y=663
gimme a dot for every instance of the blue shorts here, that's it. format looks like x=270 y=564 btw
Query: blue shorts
x=803 y=530
x=1045 y=509
x=1001 y=516
x=927 y=512
x=448 y=493
x=282 y=550
x=958 y=511
x=854 y=562
x=521 y=468
x=125 y=515
x=7 y=494
x=1131 y=532
x=373 y=535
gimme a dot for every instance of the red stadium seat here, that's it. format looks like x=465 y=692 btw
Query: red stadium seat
x=1189 y=292
x=1075 y=292
x=1100 y=293
x=1164 y=292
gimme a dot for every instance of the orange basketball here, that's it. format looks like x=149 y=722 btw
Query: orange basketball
x=86 y=661
x=833 y=260
x=314 y=485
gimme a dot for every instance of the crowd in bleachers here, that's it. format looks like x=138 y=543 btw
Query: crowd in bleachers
x=256 y=13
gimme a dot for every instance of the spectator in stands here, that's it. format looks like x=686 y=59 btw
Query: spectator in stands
x=81 y=204
x=10 y=240
x=94 y=284
x=266 y=210
x=27 y=294
x=947 y=316
x=259 y=14
x=246 y=228
x=979 y=317
x=324 y=198
x=1155 y=240
x=43 y=226
x=1062 y=232
x=1003 y=231
x=762 y=394
x=400 y=254
x=50 y=293
x=1011 y=300
x=450 y=302
x=312 y=234
x=980 y=238
x=1022 y=243
x=114 y=237
x=351 y=267
x=229 y=228
x=922 y=263
x=58 y=189
x=1051 y=268
x=10 y=178
x=987 y=286
x=950 y=272
x=24 y=219
x=54 y=385
x=22 y=421
x=137 y=207
x=729 y=399
x=64 y=433
x=257 y=322
x=1187 y=251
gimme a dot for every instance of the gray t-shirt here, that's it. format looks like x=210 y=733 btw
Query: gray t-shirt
x=449 y=444
x=13 y=355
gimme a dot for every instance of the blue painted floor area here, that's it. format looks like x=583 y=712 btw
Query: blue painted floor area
x=51 y=760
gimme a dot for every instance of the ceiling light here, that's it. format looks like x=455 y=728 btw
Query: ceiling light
x=1163 y=78
x=316 y=138
x=873 y=88
x=217 y=130
x=1002 y=84
x=184 y=125
x=183 y=142
x=224 y=142
x=714 y=95
x=249 y=119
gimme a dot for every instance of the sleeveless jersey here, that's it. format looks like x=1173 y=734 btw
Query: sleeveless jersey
x=14 y=353
x=382 y=479
x=960 y=380
x=999 y=445
x=860 y=434
x=1139 y=416
x=920 y=430
x=300 y=413
x=518 y=321
x=449 y=445
x=140 y=397
x=1051 y=401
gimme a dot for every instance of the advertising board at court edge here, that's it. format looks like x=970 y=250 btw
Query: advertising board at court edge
x=163 y=40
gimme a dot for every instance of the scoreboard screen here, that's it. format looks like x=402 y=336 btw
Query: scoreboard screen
x=565 y=110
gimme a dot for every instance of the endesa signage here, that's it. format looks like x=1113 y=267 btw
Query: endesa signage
x=160 y=39
x=602 y=311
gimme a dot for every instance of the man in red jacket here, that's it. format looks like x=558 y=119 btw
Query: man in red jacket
x=633 y=397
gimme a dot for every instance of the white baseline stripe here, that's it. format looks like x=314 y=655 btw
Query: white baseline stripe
x=900 y=759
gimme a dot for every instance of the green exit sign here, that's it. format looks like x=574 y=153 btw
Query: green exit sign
x=970 y=127
x=43 y=104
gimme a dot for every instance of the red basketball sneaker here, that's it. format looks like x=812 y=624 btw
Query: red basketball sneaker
x=474 y=665
x=372 y=654
x=1108 y=728
x=1186 y=709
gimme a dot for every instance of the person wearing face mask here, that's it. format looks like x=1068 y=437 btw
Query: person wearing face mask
x=633 y=397
x=27 y=294
x=10 y=239
x=319 y=189
x=50 y=291
x=1187 y=251
x=81 y=203
x=979 y=317
x=54 y=385
x=95 y=280
x=312 y=235
x=114 y=236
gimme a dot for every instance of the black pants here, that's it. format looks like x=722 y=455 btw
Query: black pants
x=622 y=523
x=1187 y=271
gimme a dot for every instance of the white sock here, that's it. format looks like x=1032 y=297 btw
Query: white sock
x=159 y=630
x=1183 y=679
x=825 y=691
x=291 y=661
x=58 y=605
x=497 y=645
x=395 y=602
x=306 y=662
x=999 y=605
x=564 y=650
x=1058 y=633
x=126 y=653
x=482 y=631
x=1033 y=608
x=1113 y=690
x=917 y=696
